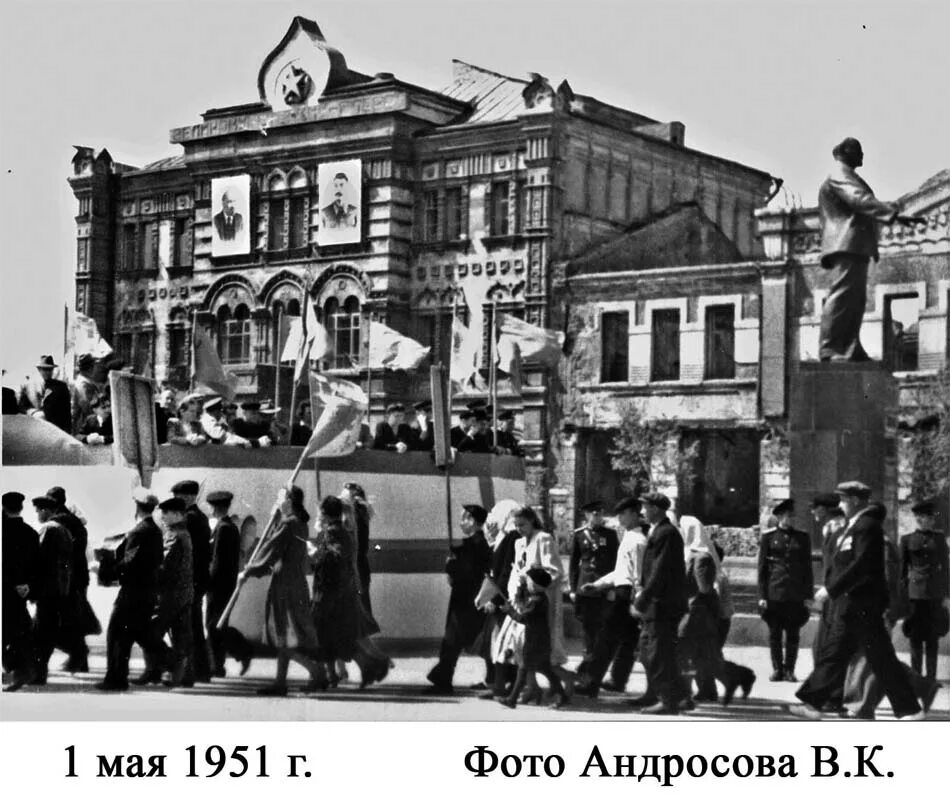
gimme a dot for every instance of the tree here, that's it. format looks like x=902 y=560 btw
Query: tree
x=649 y=453
x=930 y=435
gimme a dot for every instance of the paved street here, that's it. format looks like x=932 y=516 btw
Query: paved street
x=401 y=697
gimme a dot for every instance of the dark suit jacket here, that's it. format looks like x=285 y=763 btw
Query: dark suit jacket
x=200 y=530
x=663 y=575
x=784 y=568
x=857 y=582
x=54 y=578
x=849 y=215
x=19 y=554
x=139 y=559
x=53 y=399
x=480 y=442
x=176 y=584
x=80 y=537
x=456 y=436
x=469 y=563
x=386 y=438
x=226 y=232
x=593 y=555
x=10 y=405
x=925 y=565
x=225 y=560
x=92 y=425
x=423 y=442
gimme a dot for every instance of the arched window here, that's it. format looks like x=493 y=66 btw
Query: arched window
x=234 y=335
x=343 y=329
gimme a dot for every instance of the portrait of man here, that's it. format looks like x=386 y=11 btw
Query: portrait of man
x=340 y=202
x=230 y=211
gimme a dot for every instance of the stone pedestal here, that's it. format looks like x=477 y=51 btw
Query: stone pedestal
x=842 y=426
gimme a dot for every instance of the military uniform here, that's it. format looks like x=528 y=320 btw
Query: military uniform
x=593 y=555
x=785 y=582
x=924 y=572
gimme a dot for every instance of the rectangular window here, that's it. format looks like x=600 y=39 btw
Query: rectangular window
x=665 y=348
x=237 y=345
x=142 y=364
x=275 y=226
x=82 y=255
x=84 y=205
x=498 y=221
x=177 y=347
x=128 y=248
x=453 y=213
x=346 y=341
x=149 y=243
x=720 y=342
x=125 y=347
x=181 y=242
x=520 y=201
x=902 y=332
x=430 y=202
x=298 y=222
x=614 y=343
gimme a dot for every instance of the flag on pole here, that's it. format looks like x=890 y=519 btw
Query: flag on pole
x=312 y=341
x=466 y=348
x=207 y=373
x=389 y=349
x=518 y=339
x=82 y=336
x=338 y=408
x=292 y=338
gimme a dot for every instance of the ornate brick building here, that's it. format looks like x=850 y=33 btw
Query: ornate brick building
x=371 y=198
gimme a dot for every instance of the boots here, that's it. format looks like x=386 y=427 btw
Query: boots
x=775 y=648
x=791 y=657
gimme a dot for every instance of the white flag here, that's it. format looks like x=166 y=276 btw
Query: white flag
x=520 y=341
x=338 y=410
x=466 y=348
x=312 y=344
x=389 y=349
x=294 y=338
x=82 y=337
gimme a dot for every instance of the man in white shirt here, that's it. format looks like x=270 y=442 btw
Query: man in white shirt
x=617 y=640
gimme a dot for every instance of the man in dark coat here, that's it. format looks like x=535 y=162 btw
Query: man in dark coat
x=78 y=617
x=506 y=443
x=20 y=563
x=200 y=550
x=138 y=561
x=857 y=588
x=53 y=584
x=225 y=560
x=48 y=398
x=785 y=582
x=661 y=602
x=96 y=428
x=251 y=425
x=458 y=433
x=468 y=565
x=423 y=435
x=925 y=574
x=478 y=437
x=593 y=555
x=176 y=593
x=393 y=434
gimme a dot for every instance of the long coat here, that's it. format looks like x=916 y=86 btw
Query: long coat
x=857 y=581
x=225 y=560
x=200 y=530
x=469 y=563
x=52 y=398
x=925 y=565
x=849 y=215
x=139 y=561
x=175 y=579
x=336 y=608
x=663 y=575
x=287 y=620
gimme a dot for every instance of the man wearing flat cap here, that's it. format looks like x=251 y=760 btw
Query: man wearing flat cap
x=831 y=522
x=616 y=642
x=251 y=426
x=593 y=555
x=176 y=593
x=47 y=398
x=225 y=565
x=785 y=582
x=20 y=562
x=469 y=563
x=925 y=574
x=423 y=433
x=199 y=531
x=506 y=443
x=660 y=603
x=850 y=219
x=460 y=432
x=138 y=561
x=54 y=583
x=857 y=589
x=393 y=434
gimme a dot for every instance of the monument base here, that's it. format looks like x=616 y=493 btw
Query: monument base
x=842 y=426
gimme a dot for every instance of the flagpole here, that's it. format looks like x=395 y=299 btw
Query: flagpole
x=194 y=350
x=493 y=372
x=66 y=343
x=277 y=355
x=316 y=458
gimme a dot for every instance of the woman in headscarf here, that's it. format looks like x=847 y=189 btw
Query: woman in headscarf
x=288 y=626
x=534 y=548
x=502 y=535
x=701 y=629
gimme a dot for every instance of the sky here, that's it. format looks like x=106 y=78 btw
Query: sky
x=770 y=84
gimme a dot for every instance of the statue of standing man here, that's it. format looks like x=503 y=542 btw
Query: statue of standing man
x=850 y=217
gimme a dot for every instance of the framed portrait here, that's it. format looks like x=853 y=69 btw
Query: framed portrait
x=341 y=202
x=230 y=215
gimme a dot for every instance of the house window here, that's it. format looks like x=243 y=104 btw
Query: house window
x=453 y=213
x=665 y=350
x=149 y=242
x=498 y=222
x=181 y=242
x=177 y=344
x=720 y=342
x=298 y=222
x=343 y=331
x=275 y=226
x=128 y=247
x=82 y=254
x=614 y=343
x=901 y=332
x=142 y=363
x=125 y=347
x=520 y=201
x=84 y=205
x=234 y=335
x=430 y=216
x=435 y=330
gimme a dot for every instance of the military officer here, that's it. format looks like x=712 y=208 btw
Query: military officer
x=423 y=433
x=138 y=560
x=20 y=563
x=925 y=565
x=785 y=583
x=176 y=591
x=393 y=434
x=506 y=443
x=200 y=551
x=593 y=555
x=225 y=560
